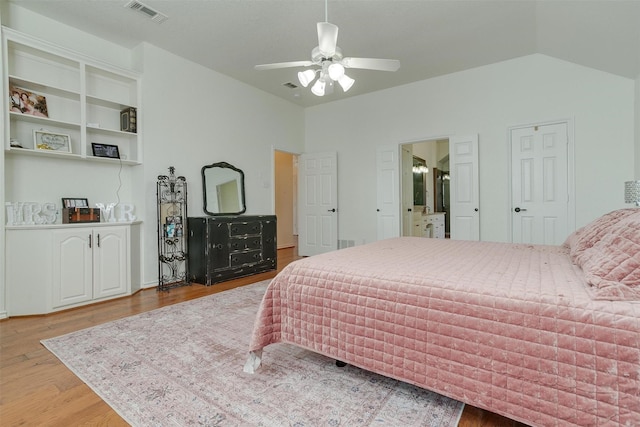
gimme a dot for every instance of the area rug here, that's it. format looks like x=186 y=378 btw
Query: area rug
x=181 y=365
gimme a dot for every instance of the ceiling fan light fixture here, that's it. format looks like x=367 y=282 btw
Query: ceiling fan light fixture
x=336 y=70
x=318 y=88
x=346 y=82
x=306 y=77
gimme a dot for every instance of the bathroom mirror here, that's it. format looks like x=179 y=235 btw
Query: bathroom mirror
x=223 y=189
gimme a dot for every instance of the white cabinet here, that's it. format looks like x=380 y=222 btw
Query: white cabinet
x=89 y=264
x=429 y=225
x=56 y=267
x=83 y=100
x=435 y=225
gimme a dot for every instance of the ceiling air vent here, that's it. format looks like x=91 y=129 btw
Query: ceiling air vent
x=290 y=85
x=154 y=15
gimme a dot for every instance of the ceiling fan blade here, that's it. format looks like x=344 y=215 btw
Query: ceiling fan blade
x=327 y=39
x=371 y=64
x=283 y=65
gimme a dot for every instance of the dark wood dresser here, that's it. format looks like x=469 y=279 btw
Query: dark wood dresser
x=226 y=247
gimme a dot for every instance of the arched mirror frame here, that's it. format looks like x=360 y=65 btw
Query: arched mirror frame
x=223 y=165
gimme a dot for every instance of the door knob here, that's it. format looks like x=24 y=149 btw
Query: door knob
x=520 y=210
x=331 y=210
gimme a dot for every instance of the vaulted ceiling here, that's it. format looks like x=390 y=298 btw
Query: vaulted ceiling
x=429 y=37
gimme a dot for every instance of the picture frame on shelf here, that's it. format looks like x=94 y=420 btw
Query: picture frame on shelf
x=25 y=102
x=75 y=202
x=105 y=150
x=45 y=140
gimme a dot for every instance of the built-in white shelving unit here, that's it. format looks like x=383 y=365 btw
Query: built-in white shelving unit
x=84 y=98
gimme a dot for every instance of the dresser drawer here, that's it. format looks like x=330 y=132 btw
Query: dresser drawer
x=244 y=228
x=246 y=258
x=244 y=243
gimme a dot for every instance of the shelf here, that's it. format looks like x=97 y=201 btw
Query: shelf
x=107 y=131
x=101 y=102
x=79 y=91
x=43 y=153
x=113 y=161
x=42 y=120
x=42 y=89
x=15 y=151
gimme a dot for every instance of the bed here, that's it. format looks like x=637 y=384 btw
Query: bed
x=545 y=335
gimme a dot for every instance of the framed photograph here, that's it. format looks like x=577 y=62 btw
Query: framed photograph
x=50 y=141
x=75 y=202
x=105 y=150
x=25 y=102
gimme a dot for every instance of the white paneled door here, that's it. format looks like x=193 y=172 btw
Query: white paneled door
x=540 y=184
x=388 y=200
x=317 y=203
x=464 y=188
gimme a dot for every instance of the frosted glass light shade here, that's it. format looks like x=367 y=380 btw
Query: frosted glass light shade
x=318 y=88
x=632 y=192
x=346 y=82
x=335 y=71
x=305 y=77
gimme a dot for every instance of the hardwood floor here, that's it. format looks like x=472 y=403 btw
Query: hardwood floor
x=37 y=389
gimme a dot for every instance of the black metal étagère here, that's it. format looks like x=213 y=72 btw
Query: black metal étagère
x=172 y=231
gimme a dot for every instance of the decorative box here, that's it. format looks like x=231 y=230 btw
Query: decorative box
x=128 y=120
x=75 y=215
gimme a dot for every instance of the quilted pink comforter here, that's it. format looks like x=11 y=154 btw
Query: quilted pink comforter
x=509 y=328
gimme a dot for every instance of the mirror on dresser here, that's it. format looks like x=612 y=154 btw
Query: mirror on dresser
x=223 y=189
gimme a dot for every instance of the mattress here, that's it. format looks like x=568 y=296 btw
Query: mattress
x=514 y=329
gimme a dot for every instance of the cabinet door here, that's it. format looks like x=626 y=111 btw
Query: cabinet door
x=72 y=266
x=110 y=266
x=218 y=245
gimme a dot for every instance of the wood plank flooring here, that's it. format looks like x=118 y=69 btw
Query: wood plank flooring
x=37 y=389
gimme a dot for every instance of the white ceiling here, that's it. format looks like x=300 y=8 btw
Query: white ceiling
x=429 y=37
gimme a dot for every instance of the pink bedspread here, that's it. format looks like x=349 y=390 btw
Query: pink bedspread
x=508 y=328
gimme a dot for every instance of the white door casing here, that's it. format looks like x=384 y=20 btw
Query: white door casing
x=464 y=187
x=388 y=198
x=317 y=203
x=406 y=171
x=540 y=193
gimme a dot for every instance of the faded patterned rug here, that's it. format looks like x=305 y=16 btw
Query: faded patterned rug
x=182 y=365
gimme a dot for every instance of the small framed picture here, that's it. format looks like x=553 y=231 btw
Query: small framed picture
x=105 y=150
x=51 y=141
x=75 y=202
x=25 y=102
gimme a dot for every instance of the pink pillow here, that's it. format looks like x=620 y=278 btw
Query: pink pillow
x=612 y=264
x=585 y=237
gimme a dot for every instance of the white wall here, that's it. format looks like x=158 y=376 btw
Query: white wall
x=206 y=118
x=485 y=100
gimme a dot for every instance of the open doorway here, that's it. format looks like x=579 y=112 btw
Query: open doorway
x=286 y=198
x=425 y=189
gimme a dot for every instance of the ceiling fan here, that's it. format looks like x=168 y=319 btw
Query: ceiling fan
x=328 y=57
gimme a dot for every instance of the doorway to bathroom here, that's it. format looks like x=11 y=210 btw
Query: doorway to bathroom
x=425 y=188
